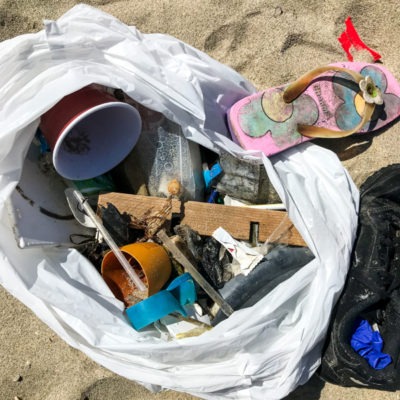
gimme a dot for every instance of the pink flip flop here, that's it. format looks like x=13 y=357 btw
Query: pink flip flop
x=328 y=102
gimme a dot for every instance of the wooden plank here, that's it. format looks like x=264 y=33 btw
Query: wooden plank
x=136 y=205
x=205 y=218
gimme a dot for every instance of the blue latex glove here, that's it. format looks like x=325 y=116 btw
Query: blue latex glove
x=369 y=344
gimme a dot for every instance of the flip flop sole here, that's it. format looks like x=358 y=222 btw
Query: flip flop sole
x=263 y=121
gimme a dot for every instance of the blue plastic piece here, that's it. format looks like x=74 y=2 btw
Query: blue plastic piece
x=369 y=344
x=213 y=197
x=153 y=308
x=181 y=291
x=44 y=146
x=210 y=174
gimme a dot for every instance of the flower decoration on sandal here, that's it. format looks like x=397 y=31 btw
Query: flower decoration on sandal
x=371 y=93
x=387 y=105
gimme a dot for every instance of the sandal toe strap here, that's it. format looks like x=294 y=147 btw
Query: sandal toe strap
x=296 y=88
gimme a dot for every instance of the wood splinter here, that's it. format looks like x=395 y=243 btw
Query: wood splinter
x=181 y=258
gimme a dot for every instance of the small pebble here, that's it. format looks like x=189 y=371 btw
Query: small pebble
x=278 y=11
x=17 y=398
x=28 y=364
x=17 y=378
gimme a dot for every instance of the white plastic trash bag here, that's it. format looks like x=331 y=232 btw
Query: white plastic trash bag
x=262 y=352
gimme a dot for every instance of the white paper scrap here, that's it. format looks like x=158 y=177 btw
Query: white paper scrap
x=246 y=257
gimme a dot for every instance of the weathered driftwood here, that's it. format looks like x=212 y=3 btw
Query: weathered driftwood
x=205 y=218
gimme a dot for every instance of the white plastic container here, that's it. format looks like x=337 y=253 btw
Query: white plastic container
x=162 y=154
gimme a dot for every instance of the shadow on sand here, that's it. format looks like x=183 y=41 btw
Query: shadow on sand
x=310 y=391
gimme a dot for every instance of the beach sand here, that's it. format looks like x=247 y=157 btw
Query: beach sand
x=270 y=43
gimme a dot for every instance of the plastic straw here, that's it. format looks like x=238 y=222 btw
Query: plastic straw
x=110 y=241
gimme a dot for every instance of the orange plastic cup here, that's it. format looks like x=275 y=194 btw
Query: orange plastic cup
x=151 y=263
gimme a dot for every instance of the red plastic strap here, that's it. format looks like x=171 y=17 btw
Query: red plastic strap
x=350 y=37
